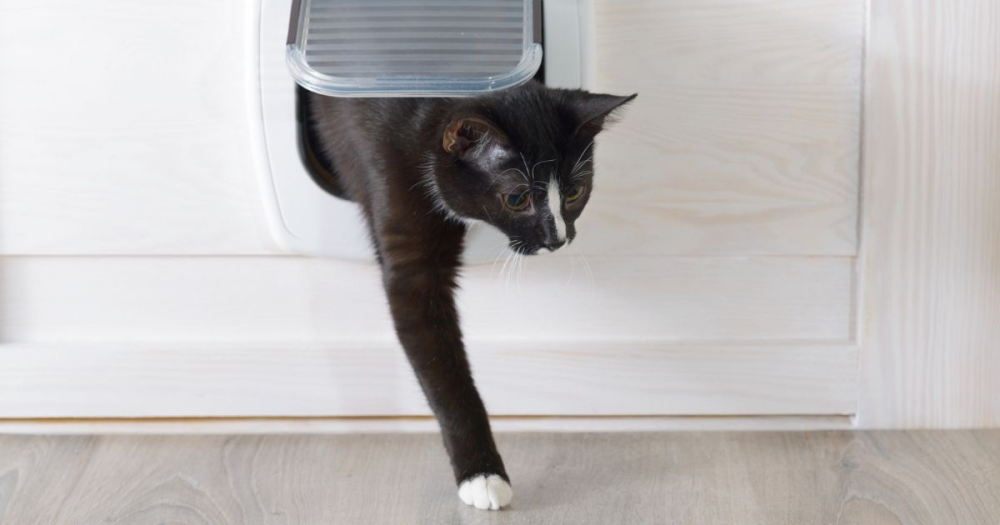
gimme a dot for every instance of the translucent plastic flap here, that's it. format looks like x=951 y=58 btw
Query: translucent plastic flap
x=408 y=48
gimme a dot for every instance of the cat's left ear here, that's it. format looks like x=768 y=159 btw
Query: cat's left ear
x=594 y=110
x=469 y=134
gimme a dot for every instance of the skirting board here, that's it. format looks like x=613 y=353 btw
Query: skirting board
x=216 y=426
x=634 y=378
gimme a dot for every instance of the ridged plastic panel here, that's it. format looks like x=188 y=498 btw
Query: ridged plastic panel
x=412 y=47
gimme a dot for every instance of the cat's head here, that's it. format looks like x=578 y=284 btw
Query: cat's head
x=522 y=161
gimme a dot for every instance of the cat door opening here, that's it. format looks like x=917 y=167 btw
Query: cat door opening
x=304 y=218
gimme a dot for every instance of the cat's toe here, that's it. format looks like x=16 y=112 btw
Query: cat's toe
x=486 y=492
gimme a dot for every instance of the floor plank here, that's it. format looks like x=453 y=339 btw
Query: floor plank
x=835 y=477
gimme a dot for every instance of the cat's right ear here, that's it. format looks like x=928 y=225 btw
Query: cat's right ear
x=469 y=135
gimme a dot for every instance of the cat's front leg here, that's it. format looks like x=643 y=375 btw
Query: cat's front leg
x=419 y=279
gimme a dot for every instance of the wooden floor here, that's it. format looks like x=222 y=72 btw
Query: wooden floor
x=795 y=478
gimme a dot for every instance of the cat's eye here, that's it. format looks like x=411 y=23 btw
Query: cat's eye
x=574 y=193
x=516 y=201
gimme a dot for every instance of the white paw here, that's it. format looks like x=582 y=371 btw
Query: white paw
x=485 y=492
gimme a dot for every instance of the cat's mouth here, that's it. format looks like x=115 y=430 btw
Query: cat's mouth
x=534 y=247
x=524 y=249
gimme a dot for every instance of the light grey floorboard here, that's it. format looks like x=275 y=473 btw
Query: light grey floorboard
x=794 y=478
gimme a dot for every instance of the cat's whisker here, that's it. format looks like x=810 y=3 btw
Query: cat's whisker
x=513 y=267
x=519 y=186
x=504 y=268
x=506 y=256
x=586 y=265
x=510 y=272
x=504 y=246
x=572 y=270
x=520 y=270
x=578 y=164
x=518 y=170
x=532 y=172
x=503 y=249
x=419 y=183
x=493 y=267
x=525 y=161
x=516 y=270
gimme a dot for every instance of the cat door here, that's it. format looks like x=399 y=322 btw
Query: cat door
x=302 y=217
x=412 y=48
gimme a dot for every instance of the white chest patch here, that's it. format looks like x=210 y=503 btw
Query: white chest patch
x=554 y=206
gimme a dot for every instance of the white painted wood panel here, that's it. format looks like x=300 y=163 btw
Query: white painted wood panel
x=931 y=257
x=165 y=299
x=124 y=129
x=365 y=380
x=720 y=269
x=744 y=138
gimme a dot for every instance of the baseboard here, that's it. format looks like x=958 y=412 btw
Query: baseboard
x=192 y=426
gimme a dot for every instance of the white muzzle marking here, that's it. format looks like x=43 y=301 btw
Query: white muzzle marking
x=555 y=201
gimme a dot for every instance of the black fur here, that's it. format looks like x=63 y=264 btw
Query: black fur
x=419 y=168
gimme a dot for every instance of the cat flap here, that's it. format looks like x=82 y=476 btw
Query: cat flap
x=413 y=48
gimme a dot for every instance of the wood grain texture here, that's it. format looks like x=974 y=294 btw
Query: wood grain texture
x=124 y=129
x=743 y=141
x=278 y=336
x=745 y=135
x=556 y=298
x=878 y=478
x=931 y=292
x=368 y=379
x=149 y=156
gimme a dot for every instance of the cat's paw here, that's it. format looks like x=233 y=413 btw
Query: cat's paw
x=486 y=492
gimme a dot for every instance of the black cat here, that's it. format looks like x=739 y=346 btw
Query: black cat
x=421 y=168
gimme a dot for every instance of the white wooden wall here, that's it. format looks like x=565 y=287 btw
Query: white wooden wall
x=931 y=261
x=137 y=278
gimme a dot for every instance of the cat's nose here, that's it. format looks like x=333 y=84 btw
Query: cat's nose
x=554 y=245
